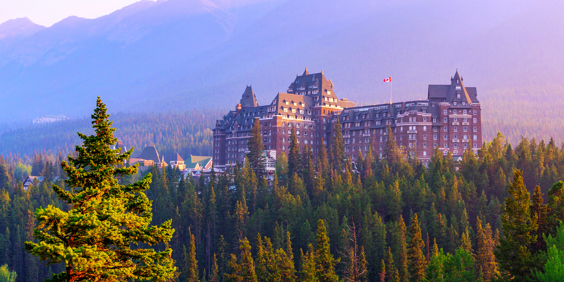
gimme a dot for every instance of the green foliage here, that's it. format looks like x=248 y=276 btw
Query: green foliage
x=6 y=275
x=95 y=237
x=513 y=252
x=256 y=148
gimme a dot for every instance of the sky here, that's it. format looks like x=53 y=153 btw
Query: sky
x=49 y=12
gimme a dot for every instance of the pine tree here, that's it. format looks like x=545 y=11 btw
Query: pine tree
x=95 y=236
x=242 y=269
x=191 y=270
x=215 y=270
x=415 y=255
x=324 y=260
x=256 y=148
x=402 y=251
x=338 y=147
x=308 y=272
x=519 y=233
x=293 y=154
x=390 y=268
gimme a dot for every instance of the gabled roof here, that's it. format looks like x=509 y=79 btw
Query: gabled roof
x=249 y=99
x=150 y=153
x=179 y=158
x=448 y=93
x=201 y=161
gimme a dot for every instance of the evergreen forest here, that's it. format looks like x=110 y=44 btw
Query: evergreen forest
x=493 y=216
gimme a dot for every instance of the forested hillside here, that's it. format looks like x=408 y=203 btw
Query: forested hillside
x=389 y=217
x=184 y=133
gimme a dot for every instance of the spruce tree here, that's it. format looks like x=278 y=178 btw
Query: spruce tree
x=519 y=233
x=256 y=147
x=324 y=260
x=191 y=270
x=293 y=154
x=242 y=269
x=415 y=255
x=98 y=237
x=338 y=146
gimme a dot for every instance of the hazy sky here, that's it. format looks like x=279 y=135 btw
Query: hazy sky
x=48 y=12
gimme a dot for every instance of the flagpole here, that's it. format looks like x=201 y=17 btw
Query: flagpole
x=391 y=92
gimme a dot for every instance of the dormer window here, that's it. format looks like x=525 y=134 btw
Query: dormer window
x=458 y=87
x=458 y=95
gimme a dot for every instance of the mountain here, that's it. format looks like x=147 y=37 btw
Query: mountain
x=18 y=28
x=181 y=54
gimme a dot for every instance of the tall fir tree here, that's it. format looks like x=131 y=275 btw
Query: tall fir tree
x=519 y=233
x=324 y=260
x=256 y=148
x=95 y=237
x=242 y=269
x=417 y=262
x=293 y=154
x=191 y=267
x=338 y=147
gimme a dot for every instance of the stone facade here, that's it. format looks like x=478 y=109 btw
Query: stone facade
x=449 y=119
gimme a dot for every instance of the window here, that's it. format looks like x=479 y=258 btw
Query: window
x=424 y=128
x=474 y=120
x=456 y=129
x=465 y=145
x=465 y=111
x=445 y=112
x=445 y=120
x=434 y=120
x=475 y=145
x=445 y=137
x=424 y=153
x=475 y=129
x=435 y=137
x=456 y=145
x=434 y=145
x=455 y=103
x=445 y=129
x=455 y=136
x=475 y=137
x=465 y=137
x=424 y=144
x=475 y=112
x=465 y=129
x=455 y=120
x=455 y=111
x=458 y=95
x=424 y=136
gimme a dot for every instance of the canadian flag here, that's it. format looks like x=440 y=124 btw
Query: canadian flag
x=389 y=79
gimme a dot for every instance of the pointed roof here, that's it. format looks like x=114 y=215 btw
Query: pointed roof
x=249 y=99
x=448 y=93
x=305 y=72
x=179 y=158
x=150 y=153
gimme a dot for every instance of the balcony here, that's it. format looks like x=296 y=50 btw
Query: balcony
x=411 y=131
x=455 y=140
x=366 y=135
x=455 y=123
x=465 y=123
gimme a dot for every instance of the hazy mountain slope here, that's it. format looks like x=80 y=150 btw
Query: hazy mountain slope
x=180 y=54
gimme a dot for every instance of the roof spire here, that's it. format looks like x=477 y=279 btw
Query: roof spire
x=305 y=72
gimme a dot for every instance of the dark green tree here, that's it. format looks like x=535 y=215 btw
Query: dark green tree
x=96 y=237
x=256 y=148
x=324 y=260
x=416 y=259
x=519 y=233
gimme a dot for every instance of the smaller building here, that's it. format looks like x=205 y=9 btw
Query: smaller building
x=30 y=180
x=178 y=163
x=149 y=157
